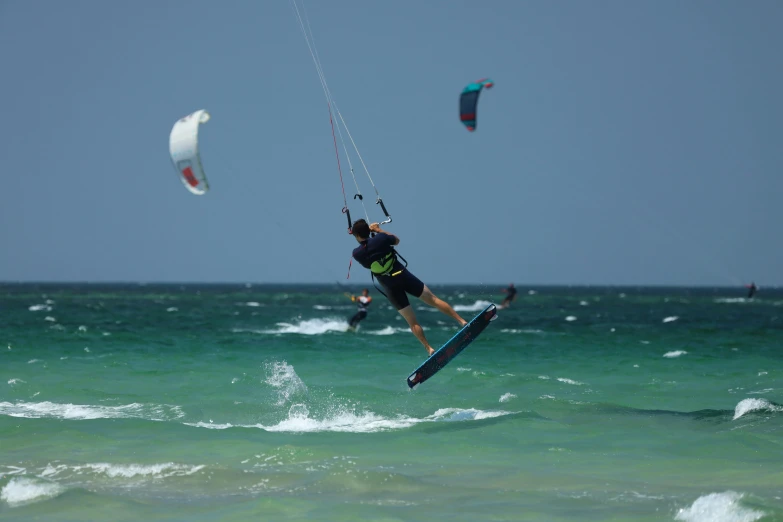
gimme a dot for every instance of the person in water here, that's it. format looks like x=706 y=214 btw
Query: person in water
x=751 y=290
x=362 y=302
x=377 y=255
x=511 y=294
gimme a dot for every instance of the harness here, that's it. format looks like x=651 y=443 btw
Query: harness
x=384 y=267
x=362 y=306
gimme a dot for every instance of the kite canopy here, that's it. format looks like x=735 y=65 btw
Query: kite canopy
x=468 y=101
x=183 y=146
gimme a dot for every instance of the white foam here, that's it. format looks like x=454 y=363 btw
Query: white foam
x=15 y=381
x=299 y=421
x=583 y=303
x=82 y=328
x=212 y=426
x=570 y=381
x=252 y=304
x=670 y=319
x=675 y=353
x=322 y=307
x=42 y=410
x=732 y=300
x=761 y=392
x=519 y=330
x=475 y=307
x=172 y=309
x=122 y=471
x=168 y=469
x=718 y=507
x=20 y=491
x=570 y=318
x=11 y=470
x=344 y=420
x=389 y=330
x=749 y=405
x=458 y=414
x=310 y=327
x=507 y=397
x=50 y=319
x=40 y=307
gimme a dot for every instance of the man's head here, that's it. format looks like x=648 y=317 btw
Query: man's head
x=360 y=230
x=365 y=292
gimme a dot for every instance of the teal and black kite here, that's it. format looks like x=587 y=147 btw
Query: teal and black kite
x=468 y=101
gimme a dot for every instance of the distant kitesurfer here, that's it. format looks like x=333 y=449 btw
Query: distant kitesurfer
x=377 y=255
x=751 y=289
x=362 y=302
x=511 y=294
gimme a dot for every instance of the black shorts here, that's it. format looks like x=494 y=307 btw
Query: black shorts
x=398 y=287
x=357 y=317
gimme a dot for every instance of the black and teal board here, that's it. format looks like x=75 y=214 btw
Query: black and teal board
x=451 y=349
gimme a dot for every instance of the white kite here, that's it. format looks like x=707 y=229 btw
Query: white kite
x=183 y=146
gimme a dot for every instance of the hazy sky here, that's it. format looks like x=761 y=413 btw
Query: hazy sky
x=624 y=142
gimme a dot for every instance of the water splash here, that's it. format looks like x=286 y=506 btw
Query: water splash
x=21 y=491
x=282 y=376
x=746 y=406
x=477 y=306
x=718 y=507
x=310 y=327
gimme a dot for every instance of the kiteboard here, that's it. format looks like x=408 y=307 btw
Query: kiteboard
x=453 y=347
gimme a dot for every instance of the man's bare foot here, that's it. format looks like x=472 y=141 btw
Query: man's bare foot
x=430 y=350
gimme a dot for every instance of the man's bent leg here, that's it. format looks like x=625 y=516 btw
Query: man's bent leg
x=431 y=299
x=410 y=316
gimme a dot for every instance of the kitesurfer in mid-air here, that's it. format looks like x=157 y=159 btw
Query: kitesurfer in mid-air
x=377 y=255
x=362 y=302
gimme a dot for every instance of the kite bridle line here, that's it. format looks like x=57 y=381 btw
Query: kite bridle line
x=304 y=25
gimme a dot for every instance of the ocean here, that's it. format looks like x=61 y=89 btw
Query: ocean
x=256 y=402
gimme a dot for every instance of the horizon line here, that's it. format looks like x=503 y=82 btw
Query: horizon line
x=330 y=283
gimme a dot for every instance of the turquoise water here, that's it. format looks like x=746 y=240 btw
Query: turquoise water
x=254 y=402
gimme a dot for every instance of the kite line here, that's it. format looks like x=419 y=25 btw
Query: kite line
x=304 y=25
